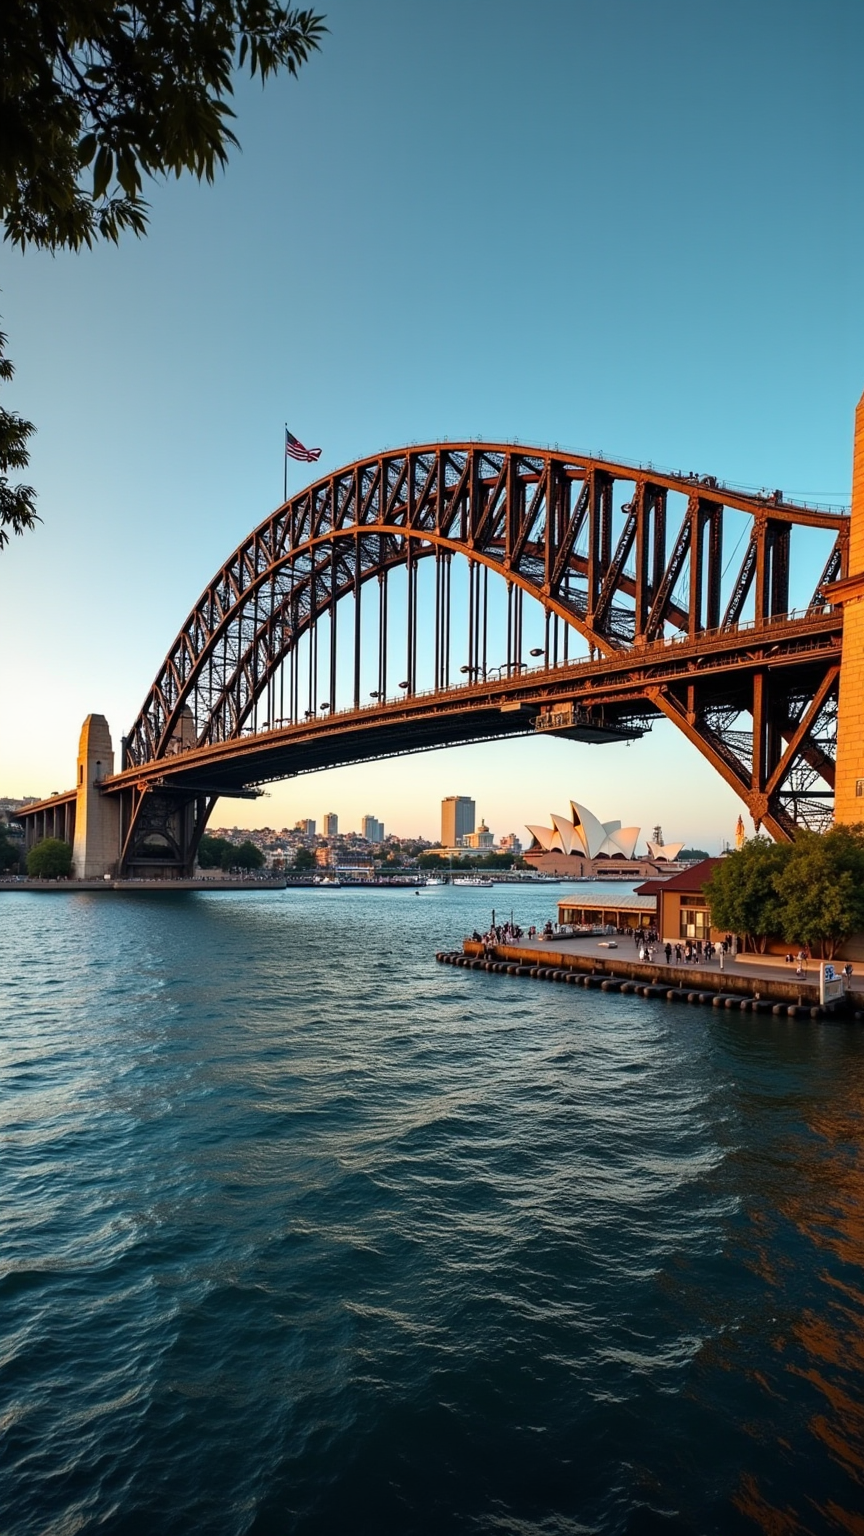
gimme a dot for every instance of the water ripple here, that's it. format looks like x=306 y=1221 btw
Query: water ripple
x=302 y=1232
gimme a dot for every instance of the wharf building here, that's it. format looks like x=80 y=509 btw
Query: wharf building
x=626 y=910
x=582 y=847
x=675 y=906
x=682 y=906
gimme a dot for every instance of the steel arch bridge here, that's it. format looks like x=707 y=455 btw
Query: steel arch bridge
x=643 y=614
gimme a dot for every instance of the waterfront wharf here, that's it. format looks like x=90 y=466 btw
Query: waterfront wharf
x=744 y=983
x=72 y=887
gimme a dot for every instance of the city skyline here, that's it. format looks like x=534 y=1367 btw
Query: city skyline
x=602 y=353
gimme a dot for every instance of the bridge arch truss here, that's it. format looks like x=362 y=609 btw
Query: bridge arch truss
x=629 y=568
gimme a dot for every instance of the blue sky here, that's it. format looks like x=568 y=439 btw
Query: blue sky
x=614 y=225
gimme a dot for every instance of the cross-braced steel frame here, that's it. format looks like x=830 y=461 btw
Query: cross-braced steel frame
x=593 y=542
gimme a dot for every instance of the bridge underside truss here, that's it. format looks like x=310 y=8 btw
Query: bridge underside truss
x=624 y=566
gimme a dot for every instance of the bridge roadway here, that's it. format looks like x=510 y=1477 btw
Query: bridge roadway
x=651 y=680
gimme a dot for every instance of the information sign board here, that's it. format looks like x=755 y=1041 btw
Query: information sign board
x=831 y=984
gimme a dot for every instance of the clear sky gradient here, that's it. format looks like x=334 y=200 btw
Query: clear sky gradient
x=613 y=225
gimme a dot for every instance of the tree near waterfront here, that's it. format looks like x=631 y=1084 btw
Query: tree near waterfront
x=245 y=856
x=744 y=891
x=823 y=889
x=807 y=892
x=10 y=852
x=96 y=96
x=51 y=859
x=213 y=851
x=304 y=859
x=221 y=853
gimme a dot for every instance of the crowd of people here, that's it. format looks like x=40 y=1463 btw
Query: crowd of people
x=647 y=941
x=502 y=933
x=688 y=952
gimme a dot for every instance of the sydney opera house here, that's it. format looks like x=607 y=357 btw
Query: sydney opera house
x=581 y=845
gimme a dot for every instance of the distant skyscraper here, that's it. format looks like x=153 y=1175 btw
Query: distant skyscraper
x=372 y=829
x=306 y=827
x=457 y=819
x=331 y=824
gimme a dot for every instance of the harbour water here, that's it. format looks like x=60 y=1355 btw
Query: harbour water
x=301 y=1232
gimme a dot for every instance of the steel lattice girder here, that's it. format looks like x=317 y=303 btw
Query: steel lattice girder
x=541 y=519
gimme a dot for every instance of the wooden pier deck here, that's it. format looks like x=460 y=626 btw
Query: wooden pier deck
x=752 y=987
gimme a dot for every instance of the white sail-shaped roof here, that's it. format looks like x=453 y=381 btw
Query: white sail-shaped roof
x=582 y=833
x=590 y=831
x=564 y=827
x=666 y=851
x=622 y=841
x=546 y=837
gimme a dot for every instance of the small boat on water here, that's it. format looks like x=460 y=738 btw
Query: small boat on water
x=474 y=880
x=326 y=880
x=434 y=880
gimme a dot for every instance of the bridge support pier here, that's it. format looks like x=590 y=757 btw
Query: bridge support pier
x=849 y=788
x=162 y=827
x=96 y=849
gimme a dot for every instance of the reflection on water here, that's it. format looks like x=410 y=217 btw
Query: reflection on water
x=302 y=1232
x=818 y=1344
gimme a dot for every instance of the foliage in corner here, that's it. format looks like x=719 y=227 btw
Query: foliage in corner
x=17 y=502
x=95 y=96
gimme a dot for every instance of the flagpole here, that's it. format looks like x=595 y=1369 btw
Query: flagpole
x=285 y=464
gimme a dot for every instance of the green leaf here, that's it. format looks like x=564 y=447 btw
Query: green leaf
x=103 y=170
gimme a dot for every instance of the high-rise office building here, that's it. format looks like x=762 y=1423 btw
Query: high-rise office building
x=372 y=829
x=457 y=819
x=331 y=824
x=305 y=827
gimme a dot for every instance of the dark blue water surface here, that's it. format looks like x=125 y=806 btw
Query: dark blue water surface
x=302 y=1232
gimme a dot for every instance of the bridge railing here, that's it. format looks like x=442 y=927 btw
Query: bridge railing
x=525 y=672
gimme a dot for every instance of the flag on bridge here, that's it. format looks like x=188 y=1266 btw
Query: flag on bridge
x=294 y=449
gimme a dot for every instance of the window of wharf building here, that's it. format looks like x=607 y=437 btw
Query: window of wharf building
x=695 y=923
x=606 y=917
